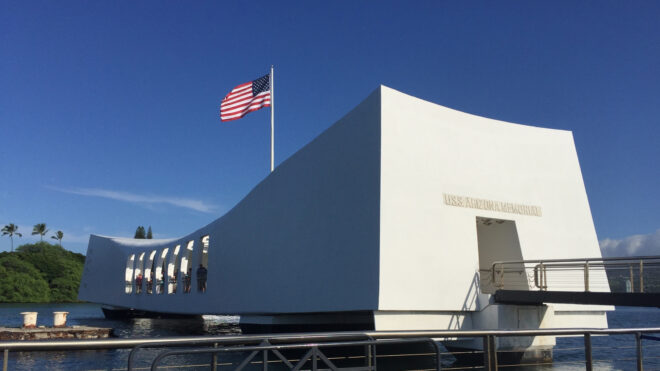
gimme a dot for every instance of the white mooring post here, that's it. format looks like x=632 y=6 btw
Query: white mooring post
x=29 y=319
x=59 y=319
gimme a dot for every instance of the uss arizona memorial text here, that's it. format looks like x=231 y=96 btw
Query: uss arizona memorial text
x=478 y=203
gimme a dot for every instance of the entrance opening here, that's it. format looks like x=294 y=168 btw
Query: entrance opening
x=203 y=264
x=160 y=271
x=186 y=266
x=138 y=274
x=498 y=241
x=149 y=272
x=173 y=270
x=128 y=275
x=204 y=252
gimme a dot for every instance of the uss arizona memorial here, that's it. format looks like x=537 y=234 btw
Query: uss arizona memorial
x=388 y=218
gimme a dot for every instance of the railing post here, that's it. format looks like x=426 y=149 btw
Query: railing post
x=314 y=361
x=536 y=276
x=542 y=270
x=632 y=279
x=5 y=360
x=214 y=360
x=374 y=355
x=490 y=353
x=498 y=283
x=438 y=355
x=367 y=356
x=265 y=359
x=587 y=352
x=486 y=347
x=640 y=356
x=641 y=275
x=493 y=278
x=132 y=355
x=586 y=276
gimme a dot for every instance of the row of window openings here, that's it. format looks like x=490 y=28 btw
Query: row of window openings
x=163 y=271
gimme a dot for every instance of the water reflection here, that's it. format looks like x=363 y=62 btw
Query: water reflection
x=158 y=327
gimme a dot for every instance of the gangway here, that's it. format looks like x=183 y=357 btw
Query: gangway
x=629 y=281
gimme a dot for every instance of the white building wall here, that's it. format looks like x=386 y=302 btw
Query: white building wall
x=305 y=239
x=429 y=251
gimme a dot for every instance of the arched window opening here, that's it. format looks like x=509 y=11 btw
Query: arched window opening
x=149 y=272
x=202 y=270
x=186 y=266
x=173 y=270
x=161 y=268
x=128 y=274
x=138 y=274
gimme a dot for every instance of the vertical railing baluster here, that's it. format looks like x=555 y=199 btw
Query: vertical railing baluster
x=265 y=359
x=587 y=352
x=375 y=355
x=493 y=278
x=314 y=362
x=214 y=359
x=371 y=359
x=632 y=279
x=536 y=277
x=486 y=355
x=493 y=353
x=640 y=356
x=438 y=355
x=490 y=353
x=5 y=360
x=586 y=276
x=641 y=276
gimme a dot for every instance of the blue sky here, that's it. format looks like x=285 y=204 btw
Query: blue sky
x=109 y=110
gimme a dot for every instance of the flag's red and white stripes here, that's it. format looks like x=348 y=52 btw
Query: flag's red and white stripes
x=242 y=99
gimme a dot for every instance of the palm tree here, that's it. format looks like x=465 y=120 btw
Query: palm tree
x=58 y=236
x=40 y=229
x=11 y=229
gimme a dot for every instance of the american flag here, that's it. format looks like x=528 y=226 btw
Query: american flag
x=246 y=98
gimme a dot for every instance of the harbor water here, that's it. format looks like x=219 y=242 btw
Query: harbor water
x=609 y=352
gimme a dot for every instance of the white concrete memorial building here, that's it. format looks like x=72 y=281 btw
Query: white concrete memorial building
x=387 y=217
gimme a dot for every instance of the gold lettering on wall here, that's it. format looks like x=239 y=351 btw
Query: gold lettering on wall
x=482 y=204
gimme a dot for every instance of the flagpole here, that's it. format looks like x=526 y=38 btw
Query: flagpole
x=272 y=120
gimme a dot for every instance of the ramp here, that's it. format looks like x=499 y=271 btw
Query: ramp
x=623 y=281
x=521 y=297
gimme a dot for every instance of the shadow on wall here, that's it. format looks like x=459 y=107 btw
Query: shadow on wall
x=457 y=322
x=511 y=350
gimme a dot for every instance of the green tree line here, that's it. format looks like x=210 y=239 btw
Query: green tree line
x=40 y=273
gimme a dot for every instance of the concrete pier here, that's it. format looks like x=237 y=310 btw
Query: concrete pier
x=50 y=333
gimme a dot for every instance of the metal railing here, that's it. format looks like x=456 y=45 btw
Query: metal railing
x=314 y=355
x=315 y=342
x=620 y=274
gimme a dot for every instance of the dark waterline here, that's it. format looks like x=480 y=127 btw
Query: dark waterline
x=617 y=352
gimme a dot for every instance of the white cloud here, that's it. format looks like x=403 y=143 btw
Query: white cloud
x=636 y=245
x=186 y=203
